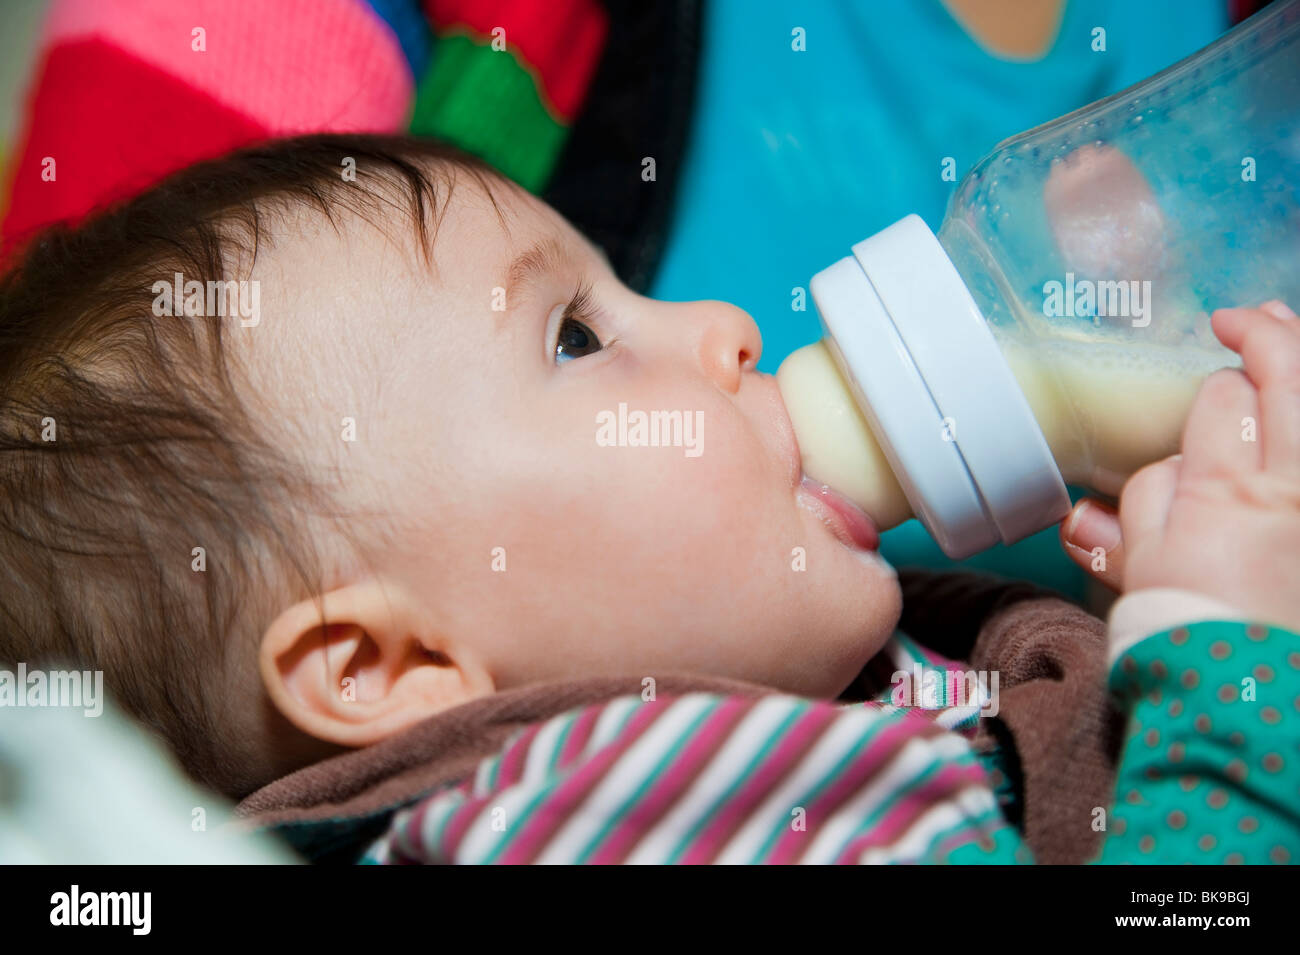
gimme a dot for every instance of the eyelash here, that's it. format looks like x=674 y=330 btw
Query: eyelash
x=581 y=308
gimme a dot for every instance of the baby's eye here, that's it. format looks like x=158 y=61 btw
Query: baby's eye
x=574 y=340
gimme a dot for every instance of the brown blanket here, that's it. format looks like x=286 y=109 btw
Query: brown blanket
x=1055 y=714
x=1054 y=721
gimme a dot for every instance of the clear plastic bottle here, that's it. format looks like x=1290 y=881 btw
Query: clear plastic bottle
x=1057 y=328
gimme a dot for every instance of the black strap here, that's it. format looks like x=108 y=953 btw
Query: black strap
x=640 y=104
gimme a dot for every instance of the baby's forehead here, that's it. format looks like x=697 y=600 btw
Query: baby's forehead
x=472 y=238
x=351 y=290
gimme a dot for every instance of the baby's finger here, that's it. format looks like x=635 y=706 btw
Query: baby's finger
x=1091 y=538
x=1145 y=500
x=1221 y=435
x=1270 y=352
x=1231 y=324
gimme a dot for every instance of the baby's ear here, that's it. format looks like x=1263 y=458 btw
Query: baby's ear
x=360 y=663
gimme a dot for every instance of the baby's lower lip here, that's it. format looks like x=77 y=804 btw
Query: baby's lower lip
x=852 y=526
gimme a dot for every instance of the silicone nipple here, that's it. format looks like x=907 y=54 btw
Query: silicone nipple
x=835 y=440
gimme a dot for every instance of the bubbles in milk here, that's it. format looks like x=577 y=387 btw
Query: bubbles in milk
x=1110 y=408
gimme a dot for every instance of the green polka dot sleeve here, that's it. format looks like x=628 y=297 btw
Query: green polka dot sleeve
x=1210 y=771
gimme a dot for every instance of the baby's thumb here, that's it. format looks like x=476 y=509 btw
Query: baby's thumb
x=1091 y=536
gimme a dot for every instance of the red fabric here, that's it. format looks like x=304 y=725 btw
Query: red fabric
x=560 y=39
x=1239 y=10
x=114 y=126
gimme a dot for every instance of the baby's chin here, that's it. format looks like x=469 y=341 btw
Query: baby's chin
x=868 y=586
x=879 y=610
x=856 y=630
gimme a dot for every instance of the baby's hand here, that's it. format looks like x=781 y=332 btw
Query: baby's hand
x=1222 y=517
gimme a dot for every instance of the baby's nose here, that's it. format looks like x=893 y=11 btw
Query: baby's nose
x=729 y=343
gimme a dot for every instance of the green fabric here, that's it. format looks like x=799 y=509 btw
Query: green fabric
x=487 y=103
x=1002 y=847
x=1209 y=774
x=1210 y=770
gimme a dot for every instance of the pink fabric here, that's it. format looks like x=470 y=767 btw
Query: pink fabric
x=310 y=65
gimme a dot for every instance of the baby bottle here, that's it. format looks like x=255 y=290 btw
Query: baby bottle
x=1057 y=328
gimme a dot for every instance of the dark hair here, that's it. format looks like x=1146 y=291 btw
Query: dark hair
x=125 y=442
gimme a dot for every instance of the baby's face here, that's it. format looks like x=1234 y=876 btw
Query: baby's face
x=523 y=520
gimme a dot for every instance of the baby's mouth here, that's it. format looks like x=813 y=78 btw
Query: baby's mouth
x=845 y=519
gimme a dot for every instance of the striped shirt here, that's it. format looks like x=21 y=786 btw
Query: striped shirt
x=709 y=778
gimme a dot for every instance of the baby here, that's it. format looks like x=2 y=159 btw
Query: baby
x=384 y=497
